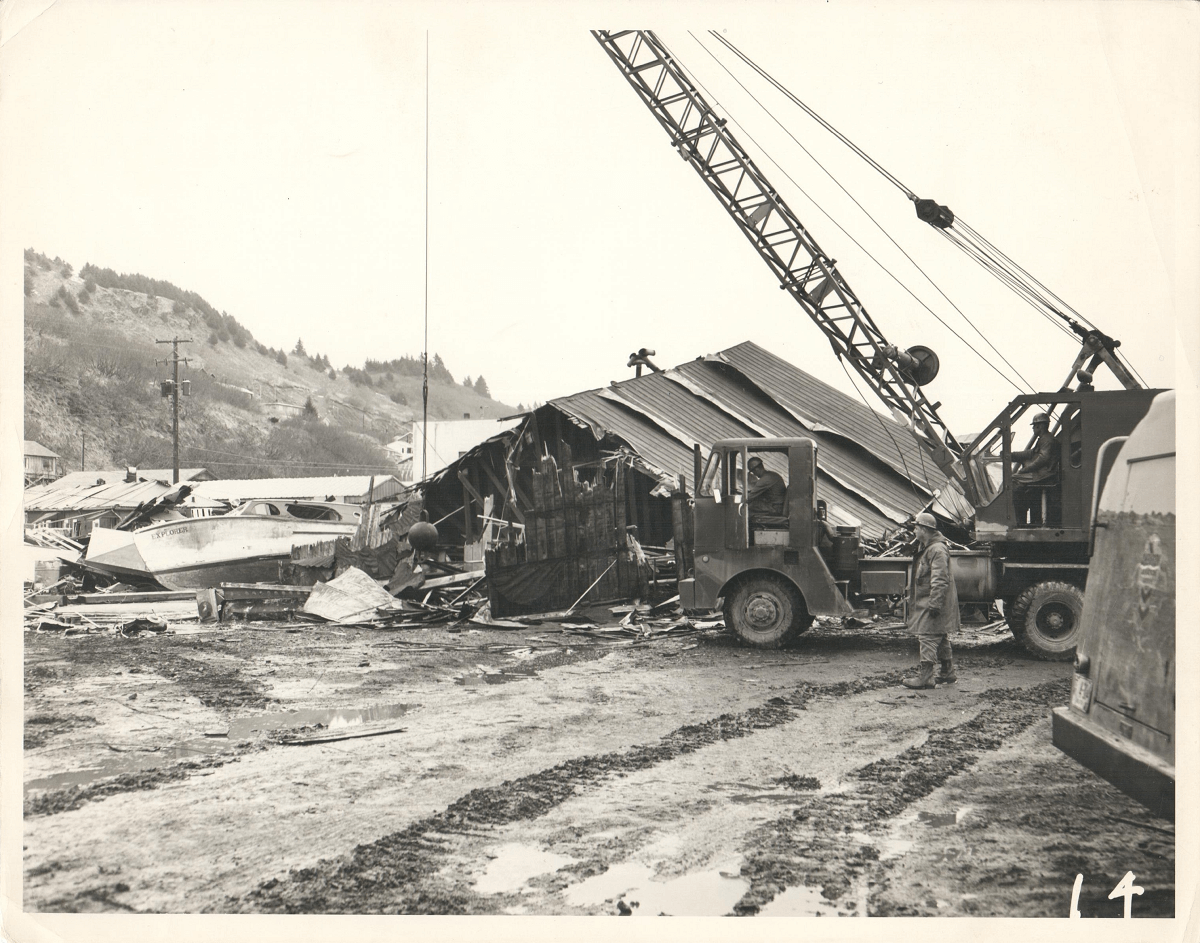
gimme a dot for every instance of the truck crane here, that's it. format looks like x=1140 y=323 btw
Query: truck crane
x=775 y=577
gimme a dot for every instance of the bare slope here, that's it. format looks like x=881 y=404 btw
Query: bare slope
x=92 y=385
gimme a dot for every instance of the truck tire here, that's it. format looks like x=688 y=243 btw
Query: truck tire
x=766 y=611
x=1046 y=619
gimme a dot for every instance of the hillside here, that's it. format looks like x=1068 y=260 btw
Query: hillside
x=92 y=384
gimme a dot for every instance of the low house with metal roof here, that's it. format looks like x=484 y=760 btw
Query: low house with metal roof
x=79 y=501
x=874 y=473
x=537 y=485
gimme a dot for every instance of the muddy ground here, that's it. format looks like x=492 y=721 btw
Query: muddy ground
x=269 y=768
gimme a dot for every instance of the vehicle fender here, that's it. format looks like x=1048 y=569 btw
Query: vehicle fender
x=821 y=596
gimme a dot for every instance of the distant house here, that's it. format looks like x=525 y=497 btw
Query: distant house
x=284 y=410
x=79 y=501
x=400 y=449
x=41 y=465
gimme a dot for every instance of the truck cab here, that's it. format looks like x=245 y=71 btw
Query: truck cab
x=772 y=569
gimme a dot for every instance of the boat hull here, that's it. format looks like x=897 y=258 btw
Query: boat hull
x=203 y=552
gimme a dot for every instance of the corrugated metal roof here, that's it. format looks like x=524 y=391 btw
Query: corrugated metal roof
x=864 y=476
x=821 y=407
x=96 y=490
x=245 y=489
x=871 y=470
x=893 y=494
x=658 y=396
x=671 y=457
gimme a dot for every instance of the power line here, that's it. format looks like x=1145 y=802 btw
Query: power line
x=998 y=263
x=864 y=210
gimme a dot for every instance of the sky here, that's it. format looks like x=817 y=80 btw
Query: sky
x=275 y=158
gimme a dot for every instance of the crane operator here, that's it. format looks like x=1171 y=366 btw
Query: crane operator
x=1038 y=469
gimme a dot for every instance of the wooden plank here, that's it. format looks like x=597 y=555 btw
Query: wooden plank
x=538 y=514
x=501 y=487
x=468 y=577
x=149 y=596
x=466 y=508
x=570 y=514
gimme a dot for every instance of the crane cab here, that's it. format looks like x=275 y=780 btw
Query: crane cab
x=1055 y=508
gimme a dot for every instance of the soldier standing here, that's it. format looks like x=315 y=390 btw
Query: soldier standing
x=933 y=606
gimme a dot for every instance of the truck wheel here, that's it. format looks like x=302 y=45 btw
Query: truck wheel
x=1046 y=619
x=766 y=611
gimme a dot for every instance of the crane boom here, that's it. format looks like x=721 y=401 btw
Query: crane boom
x=804 y=271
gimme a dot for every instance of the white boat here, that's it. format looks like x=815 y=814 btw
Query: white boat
x=244 y=546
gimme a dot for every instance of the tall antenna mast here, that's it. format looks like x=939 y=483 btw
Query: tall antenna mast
x=425 y=356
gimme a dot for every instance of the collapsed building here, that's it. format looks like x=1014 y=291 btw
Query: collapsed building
x=568 y=501
x=79 y=501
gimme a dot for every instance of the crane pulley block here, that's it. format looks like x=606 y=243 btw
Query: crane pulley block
x=932 y=212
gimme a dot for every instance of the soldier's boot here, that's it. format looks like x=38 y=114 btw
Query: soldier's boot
x=946 y=675
x=924 y=678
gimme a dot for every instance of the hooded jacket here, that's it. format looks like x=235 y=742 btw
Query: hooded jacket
x=932 y=587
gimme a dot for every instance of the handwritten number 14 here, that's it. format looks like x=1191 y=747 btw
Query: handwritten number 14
x=1126 y=888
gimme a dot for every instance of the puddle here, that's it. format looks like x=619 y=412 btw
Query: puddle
x=943 y=819
x=514 y=865
x=334 y=719
x=131 y=763
x=497 y=676
x=938 y=819
x=704 y=894
x=214 y=742
x=802 y=901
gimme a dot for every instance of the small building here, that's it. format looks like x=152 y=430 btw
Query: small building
x=41 y=465
x=78 y=501
x=279 y=410
x=400 y=449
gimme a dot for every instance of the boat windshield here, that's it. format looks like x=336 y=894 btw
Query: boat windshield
x=264 y=508
x=313 y=512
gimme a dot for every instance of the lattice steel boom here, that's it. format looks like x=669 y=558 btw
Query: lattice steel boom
x=804 y=271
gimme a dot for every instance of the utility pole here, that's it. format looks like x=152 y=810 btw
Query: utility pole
x=82 y=450
x=175 y=361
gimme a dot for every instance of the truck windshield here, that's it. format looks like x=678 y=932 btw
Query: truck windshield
x=708 y=481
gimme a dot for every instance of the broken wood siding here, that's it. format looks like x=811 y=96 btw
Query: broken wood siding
x=575 y=544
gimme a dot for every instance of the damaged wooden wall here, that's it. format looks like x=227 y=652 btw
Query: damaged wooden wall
x=575 y=542
x=503 y=470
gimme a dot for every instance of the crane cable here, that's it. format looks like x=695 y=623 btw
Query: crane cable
x=867 y=252
x=1003 y=266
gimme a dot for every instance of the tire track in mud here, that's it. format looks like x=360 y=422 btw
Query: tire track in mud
x=811 y=847
x=399 y=872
